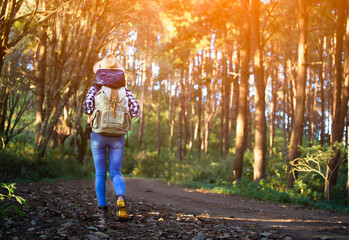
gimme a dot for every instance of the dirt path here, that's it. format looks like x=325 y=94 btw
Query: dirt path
x=295 y=221
x=67 y=209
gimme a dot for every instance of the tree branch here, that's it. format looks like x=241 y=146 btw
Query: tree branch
x=28 y=31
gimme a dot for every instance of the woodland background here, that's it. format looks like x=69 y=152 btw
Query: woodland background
x=246 y=97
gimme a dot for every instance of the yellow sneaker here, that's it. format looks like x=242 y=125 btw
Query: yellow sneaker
x=121 y=204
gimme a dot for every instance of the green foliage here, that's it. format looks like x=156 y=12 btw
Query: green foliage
x=19 y=161
x=315 y=159
x=166 y=166
x=6 y=207
x=274 y=190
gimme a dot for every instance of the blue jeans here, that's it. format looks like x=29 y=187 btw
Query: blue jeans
x=102 y=146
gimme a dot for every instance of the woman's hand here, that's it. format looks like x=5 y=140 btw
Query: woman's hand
x=89 y=119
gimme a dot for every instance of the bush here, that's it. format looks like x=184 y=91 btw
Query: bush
x=18 y=162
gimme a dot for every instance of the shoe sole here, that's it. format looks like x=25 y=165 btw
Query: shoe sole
x=123 y=215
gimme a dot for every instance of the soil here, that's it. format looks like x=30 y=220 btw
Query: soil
x=67 y=209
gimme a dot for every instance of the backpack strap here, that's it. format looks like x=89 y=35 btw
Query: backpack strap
x=114 y=95
x=122 y=93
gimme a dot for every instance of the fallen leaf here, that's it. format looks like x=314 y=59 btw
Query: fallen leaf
x=266 y=234
x=172 y=230
x=200 y=236
x=92 y=228
x=101 y=235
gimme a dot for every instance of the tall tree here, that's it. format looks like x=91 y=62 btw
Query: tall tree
x=159 y=118
x=340 y=94
x=346 y=86
x=243 y=92
x=273 y=104
x=40 y=83
x=141 y=116
x=322 y=90
x=201 y=60
x=226 y=105
x=298 y=116
x=180 y=117
x=260 y=120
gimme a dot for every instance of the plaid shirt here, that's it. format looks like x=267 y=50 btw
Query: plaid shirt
x=89 y=103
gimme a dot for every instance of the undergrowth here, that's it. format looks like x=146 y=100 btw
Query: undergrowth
x=18 y=162
x=265 y=190
x=213 y=173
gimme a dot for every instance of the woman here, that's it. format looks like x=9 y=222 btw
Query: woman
x=109 y=73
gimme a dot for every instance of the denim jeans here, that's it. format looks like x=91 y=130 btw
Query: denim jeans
x=102 y=146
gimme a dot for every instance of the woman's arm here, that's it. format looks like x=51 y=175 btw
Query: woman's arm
x=132 y=104
x=89 y=103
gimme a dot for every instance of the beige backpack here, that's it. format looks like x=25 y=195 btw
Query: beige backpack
x=111 y=116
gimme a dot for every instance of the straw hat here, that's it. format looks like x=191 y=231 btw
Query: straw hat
x=109 y=61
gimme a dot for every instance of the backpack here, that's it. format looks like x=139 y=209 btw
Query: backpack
x=111 y=116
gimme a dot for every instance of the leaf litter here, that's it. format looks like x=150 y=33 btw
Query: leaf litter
x=58 y=211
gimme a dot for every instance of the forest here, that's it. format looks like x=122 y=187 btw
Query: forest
x=248 y=97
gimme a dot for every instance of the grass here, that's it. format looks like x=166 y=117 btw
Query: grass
x=265 y=192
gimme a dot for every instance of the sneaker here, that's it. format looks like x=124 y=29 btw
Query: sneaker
x=121 y=204
x=103 y=211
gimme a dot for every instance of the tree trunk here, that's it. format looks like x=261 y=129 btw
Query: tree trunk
x=221 y=129
x=186 y=109
x=141 y=117
x=175 y=102
x=310 y=104
x=78 y=130
x=348 y=159
x=199 y=121
x=207 y=119
x=227 y=109
x=235 y=89
x=298 y=117
x=208 y=113
x=330 y=71
x=285 y=113
x=260 y=120
x=47 y=128
x=223 y=104
x=340 y=97
x=201 y=72
x=40 y=84
x=58 y=131
x=170 y=110
x=2 y=57
x=180 y=119
x=322 y=90
x=82 y=144
x=273 y=104
x=191 y=107
x=159 y=119
x=243 y=94
x=4 y=104
x=150 y=74
x=291 y=90
x=230 y=118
